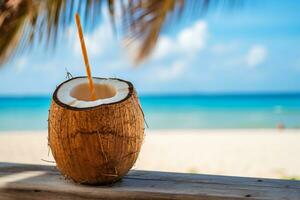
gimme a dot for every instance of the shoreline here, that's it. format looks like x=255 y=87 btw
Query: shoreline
x=268 y=153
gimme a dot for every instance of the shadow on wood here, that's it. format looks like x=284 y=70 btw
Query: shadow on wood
x=24 y=181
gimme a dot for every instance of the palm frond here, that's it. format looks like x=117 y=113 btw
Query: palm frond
x=23 y=22
x=144 y=20
x=13 y=15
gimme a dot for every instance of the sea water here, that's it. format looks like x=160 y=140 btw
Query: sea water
x=175 y=112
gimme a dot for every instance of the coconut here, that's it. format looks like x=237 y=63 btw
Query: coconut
x=95 y=142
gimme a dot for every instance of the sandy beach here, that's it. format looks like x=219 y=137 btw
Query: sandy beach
x=254 y=153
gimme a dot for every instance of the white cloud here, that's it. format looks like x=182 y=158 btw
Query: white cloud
x=190 y=40
x=186 y=43
x=173 y=72
x=164 y=46
x=256 y=55
x=193 y=38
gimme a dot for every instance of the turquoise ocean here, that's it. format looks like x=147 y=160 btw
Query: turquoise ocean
x=175 y=112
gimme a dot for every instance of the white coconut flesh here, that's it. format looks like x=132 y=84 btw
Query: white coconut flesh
x=76 y=93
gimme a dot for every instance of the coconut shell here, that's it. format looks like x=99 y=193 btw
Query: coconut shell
x=96 y=145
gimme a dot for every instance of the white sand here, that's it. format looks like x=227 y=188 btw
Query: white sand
x=263 y=153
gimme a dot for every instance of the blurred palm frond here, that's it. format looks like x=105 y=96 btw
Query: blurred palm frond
x=25 y=22
x=143 y=21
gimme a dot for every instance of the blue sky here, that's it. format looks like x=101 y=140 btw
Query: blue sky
x=253 y=49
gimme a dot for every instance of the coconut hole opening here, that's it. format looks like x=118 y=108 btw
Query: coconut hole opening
x=102 y=91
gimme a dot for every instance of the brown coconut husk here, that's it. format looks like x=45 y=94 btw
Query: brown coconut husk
x=96 y=145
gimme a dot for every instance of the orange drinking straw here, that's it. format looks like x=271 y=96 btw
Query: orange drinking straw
x=85 y=58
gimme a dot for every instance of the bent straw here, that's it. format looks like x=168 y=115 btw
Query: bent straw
x=85 y=58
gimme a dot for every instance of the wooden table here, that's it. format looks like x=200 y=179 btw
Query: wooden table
x=22 y=181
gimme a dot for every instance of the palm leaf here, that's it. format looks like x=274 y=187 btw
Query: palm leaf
x=26 y=22
x=145 y=20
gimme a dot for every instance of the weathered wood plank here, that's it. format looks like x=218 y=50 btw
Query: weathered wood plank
x=44 y=182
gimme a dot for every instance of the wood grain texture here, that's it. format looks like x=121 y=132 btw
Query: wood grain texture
x=19 y=181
